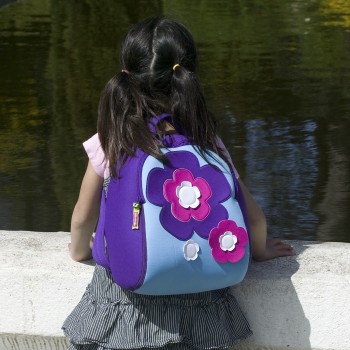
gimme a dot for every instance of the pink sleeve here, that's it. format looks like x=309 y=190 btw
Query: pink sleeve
x=96 y=155
x=225 y=152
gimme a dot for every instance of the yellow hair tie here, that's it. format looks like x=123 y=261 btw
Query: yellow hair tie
x=175 y=66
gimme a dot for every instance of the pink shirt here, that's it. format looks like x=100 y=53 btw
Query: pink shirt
x=96 y=156
x=98 y=161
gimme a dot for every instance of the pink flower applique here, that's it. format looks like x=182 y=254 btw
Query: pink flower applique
x=227 y=241
x=188 y=195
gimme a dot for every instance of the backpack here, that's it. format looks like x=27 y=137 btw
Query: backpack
x=173 y=228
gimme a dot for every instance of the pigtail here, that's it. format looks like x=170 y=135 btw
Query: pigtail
x=121 y=125
x=188 y=104
x=189 y=108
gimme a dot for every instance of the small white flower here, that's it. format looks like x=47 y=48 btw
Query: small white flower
x=228 y=241
x=188 y=195
x=191 y=249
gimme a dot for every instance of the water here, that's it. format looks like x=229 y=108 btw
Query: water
x=276 y=74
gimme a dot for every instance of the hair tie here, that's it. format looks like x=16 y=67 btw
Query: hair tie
x=175 y=66
x=125 y=71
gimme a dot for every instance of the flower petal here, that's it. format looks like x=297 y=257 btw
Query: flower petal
x=180 y=212
x=218 y=183
x=195 y=204
x=154 y=191
x=236 y=255
x=179 y=229
x=242 y=236
x=217 y=213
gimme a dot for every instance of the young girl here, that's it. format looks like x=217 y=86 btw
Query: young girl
x=159 y=60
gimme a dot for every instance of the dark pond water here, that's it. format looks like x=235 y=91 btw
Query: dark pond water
x=276 y=74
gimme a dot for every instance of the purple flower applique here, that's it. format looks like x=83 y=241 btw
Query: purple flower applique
x=227 y=242
x=190 y=195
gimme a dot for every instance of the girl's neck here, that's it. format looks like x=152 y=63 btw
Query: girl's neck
x=168 y=127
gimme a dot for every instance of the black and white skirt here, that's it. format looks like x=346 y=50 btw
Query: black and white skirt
x=109 y=317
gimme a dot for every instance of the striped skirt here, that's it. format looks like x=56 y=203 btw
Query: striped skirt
x=109 y=317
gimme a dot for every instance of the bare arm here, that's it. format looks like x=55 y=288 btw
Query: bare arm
x=85 y=215
x=262 y=248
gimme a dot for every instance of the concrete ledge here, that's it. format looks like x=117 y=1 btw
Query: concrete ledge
x=299 y=303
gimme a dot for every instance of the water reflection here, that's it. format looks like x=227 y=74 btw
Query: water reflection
x=276 y=75
x=337 y=13
x=281 y=165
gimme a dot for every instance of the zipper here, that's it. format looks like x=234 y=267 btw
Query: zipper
x=139 y=220
x=136 y=216
x=137 y=206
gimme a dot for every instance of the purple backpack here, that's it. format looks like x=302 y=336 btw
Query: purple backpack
x=173 y=228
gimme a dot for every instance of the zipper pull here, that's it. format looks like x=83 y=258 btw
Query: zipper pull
x=136 y=216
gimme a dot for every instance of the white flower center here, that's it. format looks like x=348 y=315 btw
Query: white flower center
x=191 y=249
x=188 y=195
x=228 y=241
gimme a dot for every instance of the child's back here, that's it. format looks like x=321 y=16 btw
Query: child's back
x=159 y=60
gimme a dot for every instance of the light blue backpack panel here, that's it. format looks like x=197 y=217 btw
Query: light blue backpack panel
x=169 y=269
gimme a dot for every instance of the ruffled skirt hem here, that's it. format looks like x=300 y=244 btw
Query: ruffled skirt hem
x=109 y=317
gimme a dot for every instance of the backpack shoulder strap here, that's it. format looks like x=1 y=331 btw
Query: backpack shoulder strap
x=174 y=139
x=154 y=121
